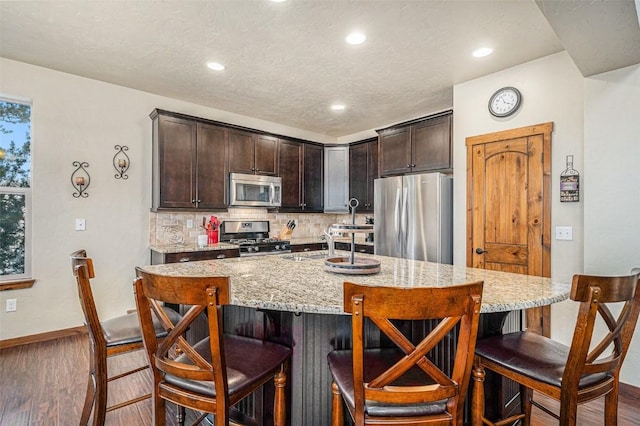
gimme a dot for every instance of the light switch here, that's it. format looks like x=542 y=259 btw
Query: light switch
x=564 y=233
x=80 y=224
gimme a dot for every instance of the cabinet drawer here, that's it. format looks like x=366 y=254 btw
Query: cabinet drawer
x=192 y=256
x=360 y=248
x=297 y=248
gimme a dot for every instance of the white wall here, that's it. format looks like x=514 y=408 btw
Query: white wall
x=596 y=120
x=612 y=183
x=78 y=119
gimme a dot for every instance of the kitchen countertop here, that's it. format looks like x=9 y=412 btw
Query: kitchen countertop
x=179 y=248
x=280 y=282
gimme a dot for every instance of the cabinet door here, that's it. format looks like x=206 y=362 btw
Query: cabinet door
x=174 y=162
x=372 y=172
x=241 y=152
x=290 y=170
x=358 y=174
x=313 y=195
x=336 y=179
x=212 y=181
x=394 y=151
x=431 y=144
x=266 y=155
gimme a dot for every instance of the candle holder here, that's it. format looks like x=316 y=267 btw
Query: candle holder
x=80 y=179
x=121 y=162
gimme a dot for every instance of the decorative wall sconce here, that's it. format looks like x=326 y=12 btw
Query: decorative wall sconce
x=80 y=179
x=121 y=162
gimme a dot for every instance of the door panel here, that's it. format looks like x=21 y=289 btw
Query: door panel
x=290 y=170
x=212 y=182
x=177 y=160
x=505 y=228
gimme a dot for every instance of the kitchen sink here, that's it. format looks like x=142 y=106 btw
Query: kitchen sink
x=306 y=256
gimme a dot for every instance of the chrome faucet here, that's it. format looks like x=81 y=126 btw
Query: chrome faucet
x=329 y=238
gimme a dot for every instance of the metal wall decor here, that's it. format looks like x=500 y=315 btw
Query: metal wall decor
x=121 y=162
x=570 y=183
x=80 y=179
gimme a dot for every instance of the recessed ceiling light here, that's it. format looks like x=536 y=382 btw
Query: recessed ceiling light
x=356 y=38
x=216 y=66
x=482 y=52
x=338 y=107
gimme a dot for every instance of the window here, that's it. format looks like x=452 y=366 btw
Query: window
x=15 y=190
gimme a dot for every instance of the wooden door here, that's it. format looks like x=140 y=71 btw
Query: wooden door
x=431 y=144
x=174 y=163
x=508 y=206
x=266 y=155
x=312 y=188
x=241 y=152
x=212 y=182
x=290 y=170
x=358 y=174
x=372 y=172
x=394 y=151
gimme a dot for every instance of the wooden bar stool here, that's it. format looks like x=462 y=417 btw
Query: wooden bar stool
x=571 y=375
x=402 y=385
x=216 y=373
x=108 y=338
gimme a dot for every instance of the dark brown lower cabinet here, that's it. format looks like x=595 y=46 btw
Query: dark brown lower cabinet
x=191 y=256
x=360 y=248
x=313 y=336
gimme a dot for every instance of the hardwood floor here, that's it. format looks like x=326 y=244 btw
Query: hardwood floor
x=44 y=384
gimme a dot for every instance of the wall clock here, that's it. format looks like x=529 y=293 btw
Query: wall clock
x=505 y=101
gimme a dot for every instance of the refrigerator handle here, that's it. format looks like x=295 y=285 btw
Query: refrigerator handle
x=398 y=221
x=404 y=219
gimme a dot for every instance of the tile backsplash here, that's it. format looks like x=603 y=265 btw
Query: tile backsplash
x=171 y=228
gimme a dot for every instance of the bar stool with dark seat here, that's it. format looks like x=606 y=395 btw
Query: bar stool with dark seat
x=569 y=374
x=402 y=385
x=108 y=338
x=216 y=373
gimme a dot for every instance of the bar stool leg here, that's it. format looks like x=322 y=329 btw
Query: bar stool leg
x=279 y=403
x=477 y=403
x=337 y=415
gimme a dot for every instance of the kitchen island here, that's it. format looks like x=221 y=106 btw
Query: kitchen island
x=290 y=298
x=299 y=283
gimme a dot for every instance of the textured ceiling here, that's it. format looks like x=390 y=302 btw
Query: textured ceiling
x=286 y=62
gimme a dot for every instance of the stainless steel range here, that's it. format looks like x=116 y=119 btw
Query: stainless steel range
x=253 y=237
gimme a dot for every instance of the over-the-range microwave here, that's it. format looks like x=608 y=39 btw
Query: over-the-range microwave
x=254 y=191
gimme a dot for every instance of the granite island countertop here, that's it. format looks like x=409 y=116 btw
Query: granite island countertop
x=300 y=283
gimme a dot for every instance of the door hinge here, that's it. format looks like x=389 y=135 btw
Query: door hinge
x=542 y=239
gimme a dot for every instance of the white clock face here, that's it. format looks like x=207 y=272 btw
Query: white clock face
x=504 y=102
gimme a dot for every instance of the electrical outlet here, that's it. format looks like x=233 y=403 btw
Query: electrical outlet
x=12 y=305
x=80 y=224
x=564 y=233
x=189 y=223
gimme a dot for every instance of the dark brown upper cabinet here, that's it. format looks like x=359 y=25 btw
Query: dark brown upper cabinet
x=253 y=153
x=189 y=163
x=363 y=170
x=301 y=170
x=418 y=146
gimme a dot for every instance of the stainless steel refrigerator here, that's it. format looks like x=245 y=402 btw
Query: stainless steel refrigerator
x=414 y=217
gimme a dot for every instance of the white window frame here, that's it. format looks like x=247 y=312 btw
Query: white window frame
x=28 y=213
